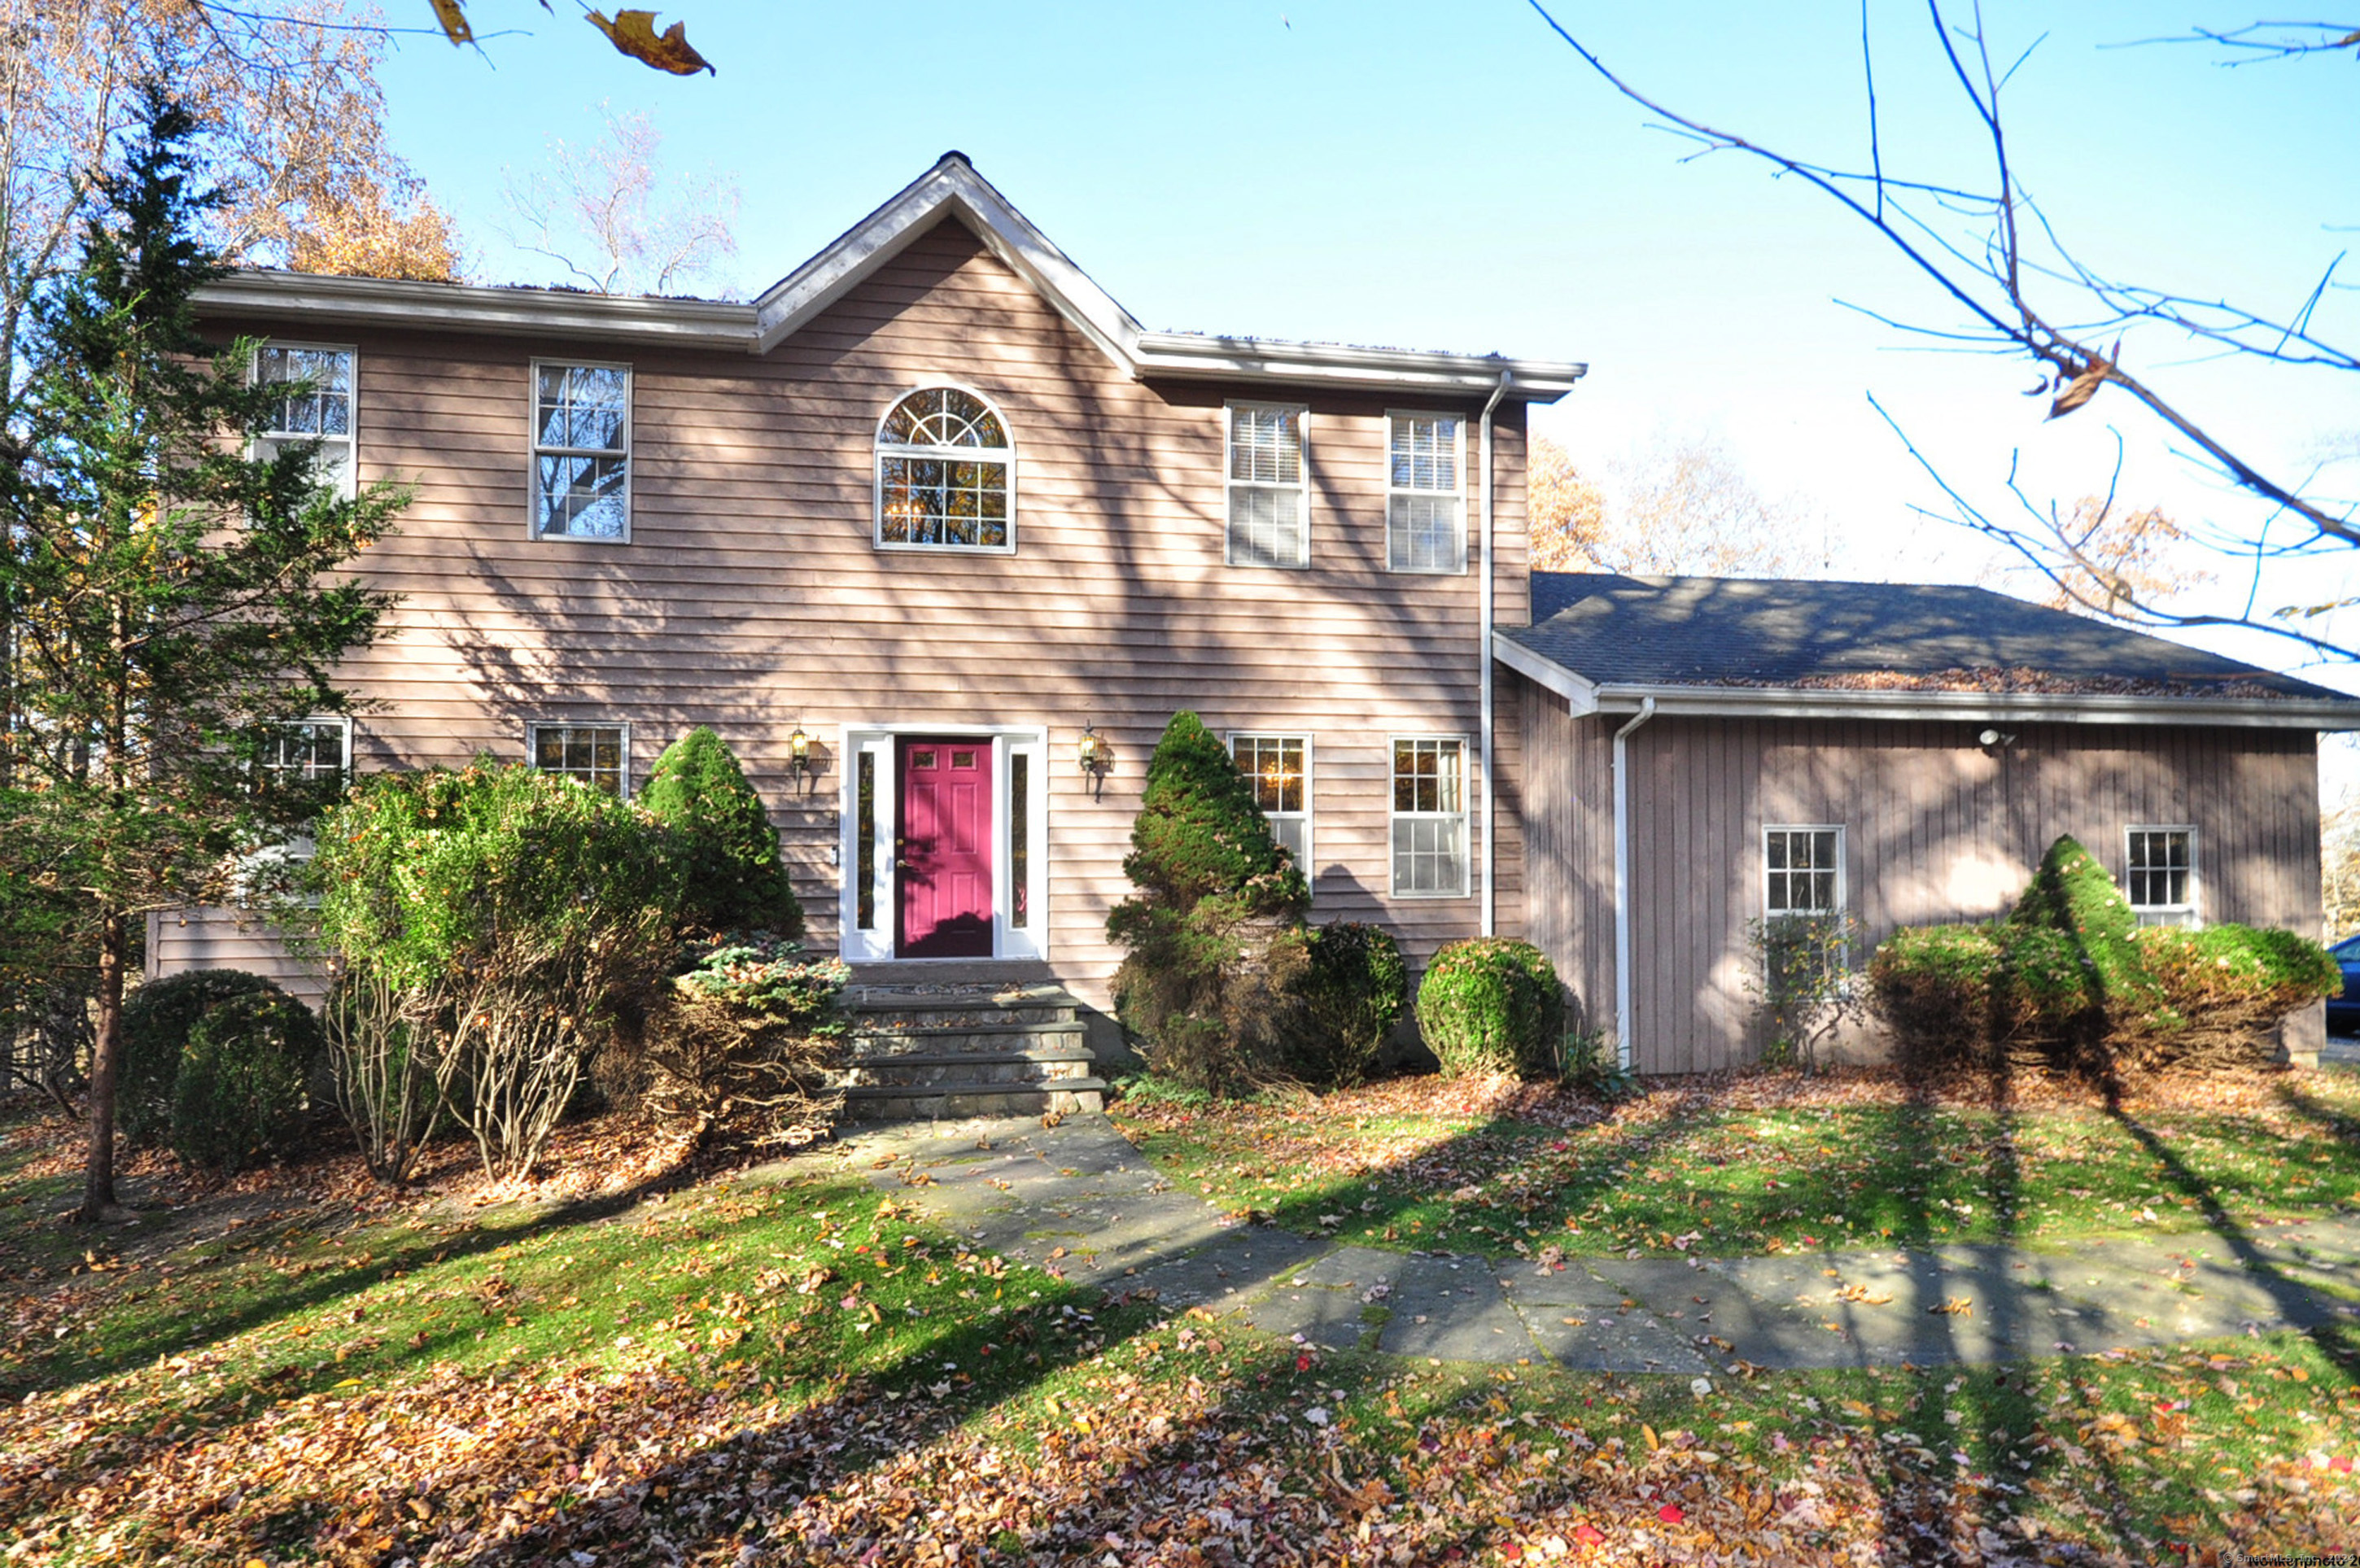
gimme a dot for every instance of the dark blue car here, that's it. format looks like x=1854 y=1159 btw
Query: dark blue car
x=2343 y=1011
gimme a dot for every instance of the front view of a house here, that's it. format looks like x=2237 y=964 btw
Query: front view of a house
x=937 y=537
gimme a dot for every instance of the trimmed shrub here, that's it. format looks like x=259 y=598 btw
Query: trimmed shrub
x=2070 y=979
x=522 y=919
x=239 y=1095
x=733 y=876
x=746 y=1043
x=1492 y=1005
x=157 y=1020
x=1353 y=990
x=1211 y=937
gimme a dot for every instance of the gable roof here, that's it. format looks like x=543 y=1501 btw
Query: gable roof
x=950 y=192
x=1607 y=643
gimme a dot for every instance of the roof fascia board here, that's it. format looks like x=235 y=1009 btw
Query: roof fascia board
x=1805 y=703
x=531 y=313
x=1196 y=355
x=1580 y=696
x=950 y=188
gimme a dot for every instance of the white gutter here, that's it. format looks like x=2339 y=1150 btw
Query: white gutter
x=1622 y=886
x=1484 y=661
x=2031 y=707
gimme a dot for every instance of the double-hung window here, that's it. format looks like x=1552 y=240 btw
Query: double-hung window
x=1430 y=817
x=1279 y=768
x=1269 y=502
x=597 y=755
x=314 y=403
x=2160 y=863
x=581 y=450
x=306 y=754
x=1802 y=870
x=1425 y=525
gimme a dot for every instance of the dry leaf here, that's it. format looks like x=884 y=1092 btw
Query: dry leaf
x=454 y=22
x=634 y=33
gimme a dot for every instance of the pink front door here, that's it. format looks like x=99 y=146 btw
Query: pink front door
x=943 y=867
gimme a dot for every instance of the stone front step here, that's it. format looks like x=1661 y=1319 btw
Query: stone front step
x=964 y=1050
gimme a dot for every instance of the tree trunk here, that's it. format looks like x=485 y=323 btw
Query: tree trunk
x=105 y=1067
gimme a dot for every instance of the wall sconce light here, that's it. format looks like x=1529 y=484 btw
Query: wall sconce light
x=1091 y=752
x=799 y=756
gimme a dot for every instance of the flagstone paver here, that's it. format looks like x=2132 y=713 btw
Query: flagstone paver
x=1076 y=1199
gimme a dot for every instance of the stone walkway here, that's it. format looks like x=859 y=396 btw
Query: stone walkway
x=1080 y=1201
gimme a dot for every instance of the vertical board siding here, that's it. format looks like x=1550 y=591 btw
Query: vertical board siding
x=1936 y=830
x=750 y=597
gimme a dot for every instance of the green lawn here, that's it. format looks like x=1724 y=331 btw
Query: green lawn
x=1689 y=1174
x=796 y=1362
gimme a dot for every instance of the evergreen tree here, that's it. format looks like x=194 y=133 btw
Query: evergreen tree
x=1212 y=936
x=736 y=879
x=170 y=593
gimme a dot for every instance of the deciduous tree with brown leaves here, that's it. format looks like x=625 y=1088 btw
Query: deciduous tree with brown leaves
x=1679 y=506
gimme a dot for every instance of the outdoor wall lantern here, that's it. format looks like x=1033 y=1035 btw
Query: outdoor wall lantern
x=799 y=756
x=1091 y=752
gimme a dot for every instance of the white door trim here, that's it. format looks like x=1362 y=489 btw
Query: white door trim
x=875 y=944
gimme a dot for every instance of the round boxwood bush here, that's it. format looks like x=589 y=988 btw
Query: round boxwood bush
x=239 y=1095
x=157 y=1018
x=1492 y=1005
x=1353 y=990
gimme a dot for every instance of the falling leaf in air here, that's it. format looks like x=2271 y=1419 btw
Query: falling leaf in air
x=634 y=33
x=454 y=22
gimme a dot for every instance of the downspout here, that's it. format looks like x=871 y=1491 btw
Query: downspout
x=1483 y=647
x=1623 y=884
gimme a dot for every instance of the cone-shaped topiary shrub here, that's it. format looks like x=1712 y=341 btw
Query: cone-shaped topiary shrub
x=735 y=879
x=1212 y=936
x=1492 y=1005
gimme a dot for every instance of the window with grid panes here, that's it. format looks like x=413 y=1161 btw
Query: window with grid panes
x=2160 y=875
x=1279 y=768
x=942 y=467
x=1268 y=501
x=312 y=752
x=315 y=405
x=1430 y=817
x=1426 y=527
x=582 y=451
x=1803 y=870
x=596 y=755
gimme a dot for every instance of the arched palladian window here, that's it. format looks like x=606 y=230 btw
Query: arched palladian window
x=946 y=474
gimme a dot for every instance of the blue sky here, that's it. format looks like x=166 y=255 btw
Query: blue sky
x=1450 y=176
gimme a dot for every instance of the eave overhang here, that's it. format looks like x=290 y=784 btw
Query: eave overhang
x=1673 y=701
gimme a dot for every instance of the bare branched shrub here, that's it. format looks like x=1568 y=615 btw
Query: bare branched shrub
x=382 y=1064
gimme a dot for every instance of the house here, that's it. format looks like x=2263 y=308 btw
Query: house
x=937 y=536
x=1703 y=752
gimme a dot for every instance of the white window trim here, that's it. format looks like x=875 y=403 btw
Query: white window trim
x=1466 y=817
x=344 y=724
x=880 y=448
x=532 y=741
x=296 y=847
x=2194 y=908
x=1310 y=799
x=533 y=448
x=350 y=440
x=1843 y=877
x=1459 y=466
x=881 y=739
x=1229 y=486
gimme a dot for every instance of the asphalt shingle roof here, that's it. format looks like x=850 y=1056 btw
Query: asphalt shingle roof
x=1718 y=631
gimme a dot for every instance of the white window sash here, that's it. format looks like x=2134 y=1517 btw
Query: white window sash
x=1400 y=499
x=1770 y=874
x=2182 y=913
x=532 y=734
x=538 y=449
x=1298 y=493
x=1291 y=828
x=339 y=457
x=1458 y=821
x=1005 y=456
